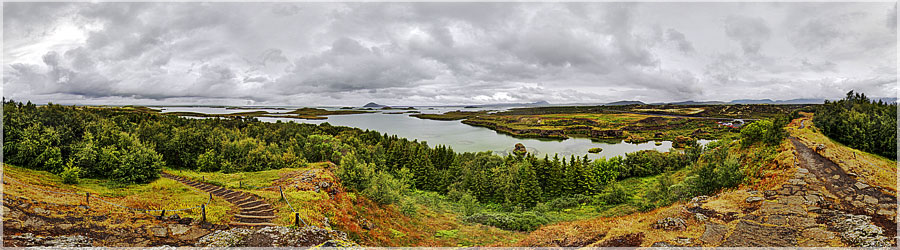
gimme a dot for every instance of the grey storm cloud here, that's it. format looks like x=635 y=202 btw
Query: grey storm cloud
x=443 y=53
x=750 y=32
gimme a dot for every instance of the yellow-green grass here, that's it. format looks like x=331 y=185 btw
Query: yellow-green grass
x=872 y=169
x=245 y=181
x=157 y=195
x=236 y=180
x=677 y=111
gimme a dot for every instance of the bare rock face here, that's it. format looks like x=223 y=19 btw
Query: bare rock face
x=750 y=234
x=714 y=233
x=275 y=237
x=30 y=240
x=858 y=230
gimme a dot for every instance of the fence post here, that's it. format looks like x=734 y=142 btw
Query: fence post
x=297 y=219
x=87 y=198
x=282 y=192
x=203 y=208
x=241 y=184
x=163 y=214
x=210 y=196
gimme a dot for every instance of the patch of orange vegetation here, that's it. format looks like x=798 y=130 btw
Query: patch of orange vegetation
x=592 y=232
x=371 y=224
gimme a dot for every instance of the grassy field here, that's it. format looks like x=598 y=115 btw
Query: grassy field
x=450 y=116
x=628 y=126
x=160 y=194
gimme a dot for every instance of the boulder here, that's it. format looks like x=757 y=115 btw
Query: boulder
x=159 y=231
x=178 y=229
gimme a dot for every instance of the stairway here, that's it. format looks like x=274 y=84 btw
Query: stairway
x=254 y=212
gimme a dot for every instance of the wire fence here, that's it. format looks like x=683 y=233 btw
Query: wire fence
x=297 y=218
x=7 y=179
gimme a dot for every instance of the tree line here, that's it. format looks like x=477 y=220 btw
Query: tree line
x=860 y=123
x=130 y=145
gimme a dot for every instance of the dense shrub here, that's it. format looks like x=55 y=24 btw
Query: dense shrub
x=526 y=221
x=70 y=173
x=769 y=132
x=613 y=195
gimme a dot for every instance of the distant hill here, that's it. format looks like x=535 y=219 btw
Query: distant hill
x=373 y=105
x=695 y=103
x=621 y=103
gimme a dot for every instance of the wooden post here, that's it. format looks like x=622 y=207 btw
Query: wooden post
x=241 y=184
x=203 y=209
x=163 y=214
x=282 y=192
x=87 y=198
x=297 y=219
x=210 y=196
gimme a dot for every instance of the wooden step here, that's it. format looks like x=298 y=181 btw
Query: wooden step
x=248 y=203
x=245 y=224
x=263 y=211
x=232 y=195
x=248 y=198
x=254 y=216
x=255 y=207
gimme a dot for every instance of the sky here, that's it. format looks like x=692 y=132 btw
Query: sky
x=349 y=54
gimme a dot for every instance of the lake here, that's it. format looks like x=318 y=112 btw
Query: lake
x=459 y=136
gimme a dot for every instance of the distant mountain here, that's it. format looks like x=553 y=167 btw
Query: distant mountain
x=694 y=103
x=622 y=103
x=373 y=105
x=749 y=101
x=770 y=101
x=538 y=103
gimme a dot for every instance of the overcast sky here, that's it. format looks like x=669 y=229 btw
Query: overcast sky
x=444 y=53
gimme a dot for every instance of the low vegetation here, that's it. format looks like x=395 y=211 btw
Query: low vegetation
x=450 y=116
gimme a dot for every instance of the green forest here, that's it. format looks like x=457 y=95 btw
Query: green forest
x=860 y=123
x=132 y=145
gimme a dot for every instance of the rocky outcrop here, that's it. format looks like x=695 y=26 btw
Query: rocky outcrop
x=519 y=149
x=60 y=225
x=276 y=237
x=670 y=224
x=751 y=234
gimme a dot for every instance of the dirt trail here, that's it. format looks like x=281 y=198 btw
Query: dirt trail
x=254 y=211
x=852 y=195
x=822 y=205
